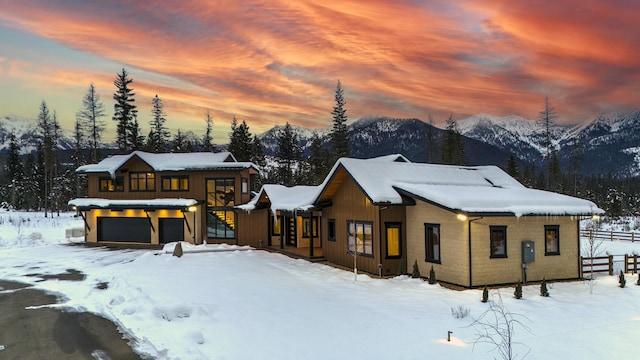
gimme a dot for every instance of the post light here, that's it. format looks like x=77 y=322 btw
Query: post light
x=595 y=217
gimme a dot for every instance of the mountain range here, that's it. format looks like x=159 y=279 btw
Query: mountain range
x=609 y=144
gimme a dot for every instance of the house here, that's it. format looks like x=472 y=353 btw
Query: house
x=158 y=198
x=475 y=225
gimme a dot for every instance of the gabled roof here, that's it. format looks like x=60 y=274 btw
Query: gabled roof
x=283 y=198
x=471 y=189
x=169 y=162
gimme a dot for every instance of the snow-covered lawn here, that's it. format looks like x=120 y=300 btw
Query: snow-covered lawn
x=250 y=304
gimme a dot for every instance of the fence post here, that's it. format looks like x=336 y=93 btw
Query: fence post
x=581 y=267
x=610 y=265
x=626 y=263
x=611 y=236
x=635 y=264
x=633 y=237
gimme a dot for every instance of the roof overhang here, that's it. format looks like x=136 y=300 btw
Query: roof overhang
x=151 y=204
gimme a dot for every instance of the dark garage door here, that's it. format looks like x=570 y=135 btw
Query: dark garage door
x=171 y=229
x=124 y=229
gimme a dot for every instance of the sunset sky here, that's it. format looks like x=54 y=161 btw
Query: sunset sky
x=273 y=61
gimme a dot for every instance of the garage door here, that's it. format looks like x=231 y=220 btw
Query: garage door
x=124 y=229
x=171 y=229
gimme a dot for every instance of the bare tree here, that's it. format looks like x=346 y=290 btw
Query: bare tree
x=592 y=248
x=496 y=326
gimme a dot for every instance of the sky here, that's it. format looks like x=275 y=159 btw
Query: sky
x=274 y=61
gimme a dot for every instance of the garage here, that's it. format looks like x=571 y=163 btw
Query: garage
x=171 y=229
x=124 y=229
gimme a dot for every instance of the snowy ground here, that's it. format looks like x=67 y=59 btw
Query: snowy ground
x=248 y=304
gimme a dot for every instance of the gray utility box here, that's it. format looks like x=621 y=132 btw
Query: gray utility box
x=528 y=253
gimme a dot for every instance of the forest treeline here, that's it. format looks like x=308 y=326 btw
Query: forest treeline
x=45 y=180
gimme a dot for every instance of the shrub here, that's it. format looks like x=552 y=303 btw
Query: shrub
x=416 y=270
x=638 y=282
x=543 y=288
x=485 y=294
x=460 y=312
x=518 y=292
x=622 y=280
x=432 y=276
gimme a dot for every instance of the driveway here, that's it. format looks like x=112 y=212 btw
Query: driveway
x=47 y=333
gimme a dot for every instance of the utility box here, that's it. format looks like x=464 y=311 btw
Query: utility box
x=528 y=253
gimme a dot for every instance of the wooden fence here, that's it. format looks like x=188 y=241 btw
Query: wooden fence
x=605 y=264
x=610 y=235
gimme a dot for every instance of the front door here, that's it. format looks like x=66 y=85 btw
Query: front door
x=291 y=232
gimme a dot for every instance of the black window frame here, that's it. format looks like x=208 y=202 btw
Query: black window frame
x=556 y=228
x=225 y=188
x=393 y=225
x=274 y=220
x=498 y=229
x=305 y=227
x=118 y=184
x=229 y=232
x=331 y=229
x=149 y=178
x=366 y=251
x=429 y=245
x=170 y=179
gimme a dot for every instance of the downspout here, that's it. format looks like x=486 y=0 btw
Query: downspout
x=470 y=258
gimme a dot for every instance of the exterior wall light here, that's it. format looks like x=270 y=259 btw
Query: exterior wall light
x=192 y=208
x=461 y=217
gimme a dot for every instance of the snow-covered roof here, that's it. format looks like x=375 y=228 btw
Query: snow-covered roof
x=149 y=203
x=284 y=198
x=169 y=162
x=474 y=189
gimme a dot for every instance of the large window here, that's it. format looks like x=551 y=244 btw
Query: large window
x=221 y=192
x=498 y=241
x=432 y=243
x=331 y=229
x=277 y=224
x=111 y=185
x=360 y=237
x=552 y=240
x=142 y=181
x=221 y=224
x=394 y=240
x=175 y=183
x=308 y=226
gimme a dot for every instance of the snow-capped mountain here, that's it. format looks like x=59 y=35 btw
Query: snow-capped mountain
x=26 y=133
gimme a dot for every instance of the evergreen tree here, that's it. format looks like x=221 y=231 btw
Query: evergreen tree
x=240 y=141
x=90 y=123
x=14 y=174
x=34 y=180
x=518 y=291
x=543 y=288
x=46 y=146
x=554 y=173
x=317 y=162
x=55 y=194
x=547 y=118
x=179 y=143
x=125 y=114
x=78 y=159
x=452 y=145
x=159 y=135
x=621 y=280
x=432 y=276
x=431 y=139
x=207 y=140
x=135 y=138
x=287 y=156
x=257 y=152
x=339 y=134
x=485 y=294
x=416 y=270
x=512 y=167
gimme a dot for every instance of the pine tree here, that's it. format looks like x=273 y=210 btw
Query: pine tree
x=287 y=156
x=125 y=113
x=485 y=294
x=512 y=167
x=318 y=161
x=159 y=135
x=339 y=134
x=543 y=288
x=135 y=137
x=518 y=291
x=78 y=158
x=14 y=174
x=240 y=141
x=546 y=119
x=430 y=137
x=46 y=146
x=416 y=270
x=453 y=152
x=90 y=123
x=432 y=276
x=207 y=139
x=257 y=152
x=179 y=143
x=621 y=280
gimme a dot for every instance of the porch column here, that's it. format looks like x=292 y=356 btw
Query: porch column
x=282 y=227
x=311 y=234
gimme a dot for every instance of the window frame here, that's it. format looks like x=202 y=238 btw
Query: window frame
x=429 y=245
x=556 y=228
x=118 y=180
x=305 y=227
x=170 y=179
x=148 y=179
x=393 y=225
x=276 y=220
x=501 y=229
x=231 y=203
x=331 y=229
x=244 y=185
x=366 y=251
x=232 y=231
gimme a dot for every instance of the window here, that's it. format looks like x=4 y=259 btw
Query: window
x=142 y=181
x=245 y=185
x=175 y=183
x=331 y=229
x=360 y=237
x=111 y=185
x=394 y=240
x=277 y=223
x=432 y=243
x=306 y=229
x=552 y=239
x=221 y=224
x=221 y=192
x=498 y=241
